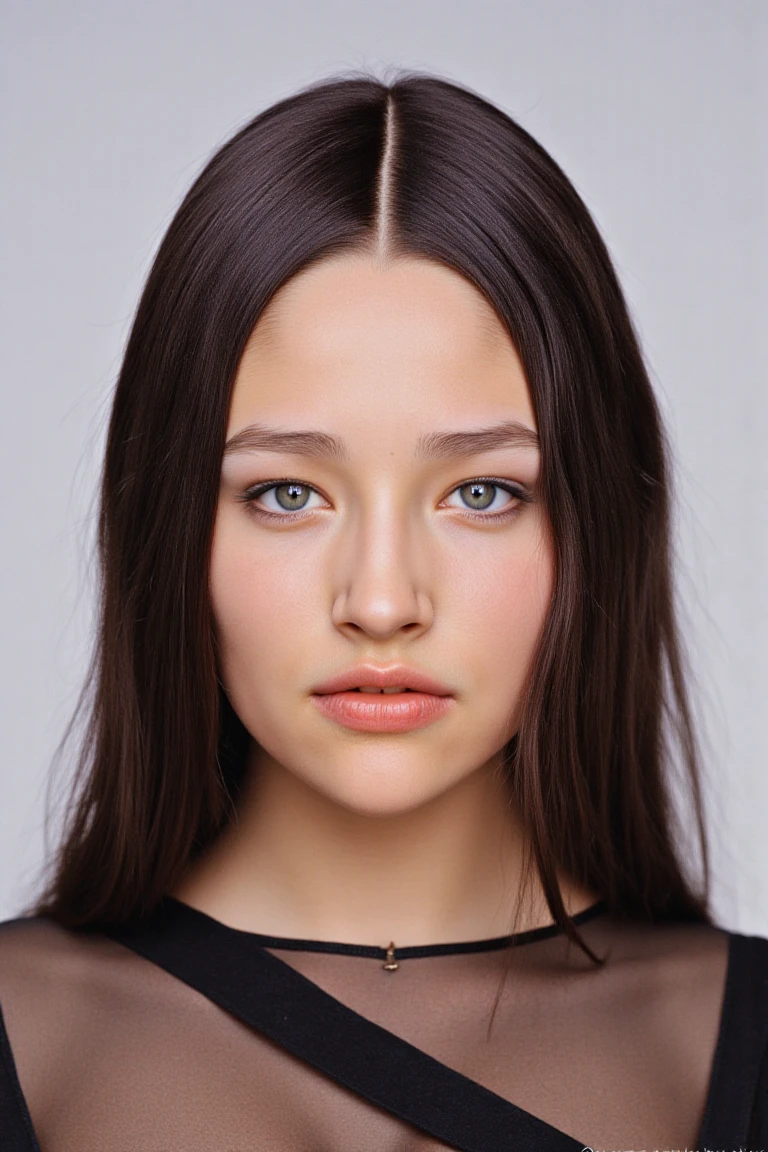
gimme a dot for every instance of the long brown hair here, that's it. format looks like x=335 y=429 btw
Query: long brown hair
x=430 y=169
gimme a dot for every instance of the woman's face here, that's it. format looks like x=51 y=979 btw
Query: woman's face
x=379 y=513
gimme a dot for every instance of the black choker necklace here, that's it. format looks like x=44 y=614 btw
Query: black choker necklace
x=392 y=956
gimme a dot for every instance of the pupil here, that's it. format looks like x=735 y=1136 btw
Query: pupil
x=478 y=495
x=291 y=496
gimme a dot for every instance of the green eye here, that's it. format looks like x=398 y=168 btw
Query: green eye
x=478 y=495
x=282 y=498
x=496 y=497
x=291 y=497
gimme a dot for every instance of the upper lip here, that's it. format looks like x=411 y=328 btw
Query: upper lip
x=372 y=676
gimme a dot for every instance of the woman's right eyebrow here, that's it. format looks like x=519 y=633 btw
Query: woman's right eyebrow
x=433 y=446
x=260 y=438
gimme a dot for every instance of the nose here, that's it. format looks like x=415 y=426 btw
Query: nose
x=381 y=577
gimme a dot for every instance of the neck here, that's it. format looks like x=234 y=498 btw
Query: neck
x=295 y=863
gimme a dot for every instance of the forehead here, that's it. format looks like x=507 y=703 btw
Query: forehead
x=395 y=339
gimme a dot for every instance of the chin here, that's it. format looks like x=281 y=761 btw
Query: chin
x=384 y=790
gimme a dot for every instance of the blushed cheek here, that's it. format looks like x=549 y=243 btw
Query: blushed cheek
x=524 y=607
x=529 y=592
x=511 y=597
x=506 y=589
x=250 y=605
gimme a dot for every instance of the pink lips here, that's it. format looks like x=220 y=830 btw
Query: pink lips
x=424 y=700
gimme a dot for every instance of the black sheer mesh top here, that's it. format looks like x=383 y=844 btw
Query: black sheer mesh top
x=184 y=1035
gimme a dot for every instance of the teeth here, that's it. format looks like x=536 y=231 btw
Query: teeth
x=386 y=691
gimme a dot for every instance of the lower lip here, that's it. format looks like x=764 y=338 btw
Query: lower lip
x=379 y=712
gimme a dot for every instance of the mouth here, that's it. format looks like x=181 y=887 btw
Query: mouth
x=379 y=710
x=370 y=699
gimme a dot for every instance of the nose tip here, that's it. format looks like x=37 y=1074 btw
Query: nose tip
x=382 y=616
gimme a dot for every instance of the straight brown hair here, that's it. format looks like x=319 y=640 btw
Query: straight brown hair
x=429 y=169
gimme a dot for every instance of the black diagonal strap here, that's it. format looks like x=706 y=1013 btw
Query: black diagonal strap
x=268 y=995
x=741 y=1044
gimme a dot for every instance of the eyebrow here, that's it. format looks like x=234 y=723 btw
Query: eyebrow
x=433 y=446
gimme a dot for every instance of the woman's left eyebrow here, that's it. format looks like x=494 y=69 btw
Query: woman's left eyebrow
x=432 y=446
x=507 y=434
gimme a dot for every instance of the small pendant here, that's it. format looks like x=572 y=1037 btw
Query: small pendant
x=390 y=964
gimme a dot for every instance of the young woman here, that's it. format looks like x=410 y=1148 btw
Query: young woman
x=373 y=844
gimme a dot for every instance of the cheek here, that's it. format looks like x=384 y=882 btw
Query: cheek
x=508 y=589
x=527 y=591
x=505 y=596
x=261 y=606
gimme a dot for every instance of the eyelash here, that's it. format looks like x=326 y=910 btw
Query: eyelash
x=251 y=494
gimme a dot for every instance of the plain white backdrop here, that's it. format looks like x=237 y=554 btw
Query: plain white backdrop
x=657 y=110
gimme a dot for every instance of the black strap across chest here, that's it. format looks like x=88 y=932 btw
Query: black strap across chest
x=268 y=995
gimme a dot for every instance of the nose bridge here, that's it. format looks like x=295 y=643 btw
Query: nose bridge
x=383 y=567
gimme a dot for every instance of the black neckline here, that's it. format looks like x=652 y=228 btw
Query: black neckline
x=412 y=952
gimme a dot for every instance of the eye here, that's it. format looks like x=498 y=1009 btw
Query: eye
x=487 y=496
x=283 y=498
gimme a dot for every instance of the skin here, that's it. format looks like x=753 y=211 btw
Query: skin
x=369 y=837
